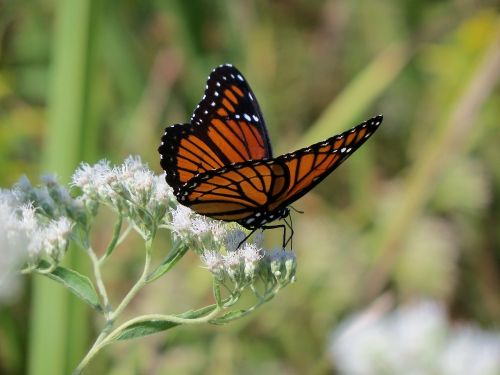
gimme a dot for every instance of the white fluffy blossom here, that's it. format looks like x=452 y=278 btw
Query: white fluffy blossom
x=181 y=220
x=250 y=254
x=27 y=237
x=415 y=339
x=14 y=240
x=213 y=262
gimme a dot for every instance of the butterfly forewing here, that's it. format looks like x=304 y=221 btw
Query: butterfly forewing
x=309 y=166
x=226 y=127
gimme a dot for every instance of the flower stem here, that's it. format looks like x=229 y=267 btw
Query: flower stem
x=111 y=315
x=138 y=285
x=100 y=284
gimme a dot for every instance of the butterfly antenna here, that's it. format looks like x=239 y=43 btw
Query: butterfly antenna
x=298 y=211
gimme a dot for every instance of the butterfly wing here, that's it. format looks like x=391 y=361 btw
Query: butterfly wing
x=307 y=167
x=227 y=127
x=237 y=192
x=253 y=192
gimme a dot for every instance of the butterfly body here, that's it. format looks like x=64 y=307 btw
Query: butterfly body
x=221 y=164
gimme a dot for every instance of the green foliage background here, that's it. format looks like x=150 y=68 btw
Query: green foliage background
x=414 y=213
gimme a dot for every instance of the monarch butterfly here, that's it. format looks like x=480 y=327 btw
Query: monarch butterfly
x=220 y=164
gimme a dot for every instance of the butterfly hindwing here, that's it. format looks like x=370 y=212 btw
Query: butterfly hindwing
x=237 y=192
x=226 y=127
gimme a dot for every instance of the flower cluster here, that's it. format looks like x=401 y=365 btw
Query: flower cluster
x=130 y=189
x=225 y=253
x=40 y=220
x=28 y=236
x=416 y=339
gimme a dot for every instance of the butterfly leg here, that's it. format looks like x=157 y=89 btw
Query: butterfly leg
x=290 y=239
x=282 y=226
x=246 y=238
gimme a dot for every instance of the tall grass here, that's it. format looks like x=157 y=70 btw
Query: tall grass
x=59 y=323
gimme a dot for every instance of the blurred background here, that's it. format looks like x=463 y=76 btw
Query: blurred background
x=415 y=213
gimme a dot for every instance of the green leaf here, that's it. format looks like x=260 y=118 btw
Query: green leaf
x=80 y=285
x=116 y=235
x=172 y=258
x=150 y=326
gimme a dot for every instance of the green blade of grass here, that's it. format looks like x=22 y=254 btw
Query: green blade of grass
x=59 y=327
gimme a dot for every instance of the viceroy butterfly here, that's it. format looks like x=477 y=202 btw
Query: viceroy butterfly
x=220 y=164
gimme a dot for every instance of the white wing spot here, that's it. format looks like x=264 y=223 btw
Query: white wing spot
x=250 y=96
x=342 y=149
x=255 y=118
x=240 y=77
x=212 y=104
x=236 y=116
x=205 y=112
x=217 y=84
x=247 y=117
x=216 y=93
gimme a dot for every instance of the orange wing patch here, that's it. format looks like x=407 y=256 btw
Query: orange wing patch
x=237 y=193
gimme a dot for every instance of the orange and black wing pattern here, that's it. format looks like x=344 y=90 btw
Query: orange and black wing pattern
x=307 y=167
x=240 y=192
x=227 y=127
x=254 y=193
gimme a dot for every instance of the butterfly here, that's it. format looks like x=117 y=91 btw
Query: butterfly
x=220 y=164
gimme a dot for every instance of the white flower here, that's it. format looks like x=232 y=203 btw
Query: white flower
x=218 y=230
x=213 y=261
x=181 y=219
x=14 y=241
x=232 y=260
x=471 y=351
x=251 y=255
x=98 y=182
x=136 y=178
x=56 y=236
x=415 y=339
x=200 y=225
x=162 y=191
